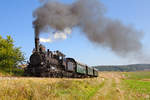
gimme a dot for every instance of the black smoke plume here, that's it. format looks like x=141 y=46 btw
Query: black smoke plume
x=89 y=16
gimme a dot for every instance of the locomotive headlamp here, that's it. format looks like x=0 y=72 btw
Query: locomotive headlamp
x=42 y=63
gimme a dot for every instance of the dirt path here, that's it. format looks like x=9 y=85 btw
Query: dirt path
x=111 y=89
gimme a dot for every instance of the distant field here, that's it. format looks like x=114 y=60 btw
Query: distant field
x=108 y=86
x=137 y=85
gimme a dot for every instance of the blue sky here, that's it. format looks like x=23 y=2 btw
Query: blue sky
x=16 y=20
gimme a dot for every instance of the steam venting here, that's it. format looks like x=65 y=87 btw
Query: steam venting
x=57 y=35
x=89 y=16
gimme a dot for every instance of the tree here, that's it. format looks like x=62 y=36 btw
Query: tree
x=10 y=56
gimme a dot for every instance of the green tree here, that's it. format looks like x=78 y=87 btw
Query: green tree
x=10 y=56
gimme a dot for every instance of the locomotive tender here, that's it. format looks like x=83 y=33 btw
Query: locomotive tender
x=44 y=63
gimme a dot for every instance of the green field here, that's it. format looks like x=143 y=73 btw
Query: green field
x=137 y=85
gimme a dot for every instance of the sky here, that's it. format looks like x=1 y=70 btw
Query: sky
x=16 y=20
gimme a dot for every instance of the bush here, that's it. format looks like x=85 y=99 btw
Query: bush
x=10 y=56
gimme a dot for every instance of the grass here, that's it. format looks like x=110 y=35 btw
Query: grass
x=135 y=85
x=139 y=86
x=111 y=92
x=138 y=75
x=48 y=89
x=14 y=72
x=115 y=86
x=19 y=88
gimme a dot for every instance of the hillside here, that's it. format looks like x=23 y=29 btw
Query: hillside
x=133 y=67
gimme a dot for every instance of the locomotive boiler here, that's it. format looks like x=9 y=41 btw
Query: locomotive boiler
x=45 y=63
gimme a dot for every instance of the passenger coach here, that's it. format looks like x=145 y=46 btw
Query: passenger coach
x=79 y=69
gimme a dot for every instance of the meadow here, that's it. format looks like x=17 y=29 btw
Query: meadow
x=48 y=88
x=137 y=85
x=108 y=86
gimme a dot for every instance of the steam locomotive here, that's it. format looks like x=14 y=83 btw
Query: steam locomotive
x=44 y=63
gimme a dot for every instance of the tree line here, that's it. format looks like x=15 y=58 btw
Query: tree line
x=124 y=68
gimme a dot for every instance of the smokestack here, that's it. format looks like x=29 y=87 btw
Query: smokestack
x=36 y=40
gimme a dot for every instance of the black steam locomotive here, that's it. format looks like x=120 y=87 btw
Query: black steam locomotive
x=54 y=64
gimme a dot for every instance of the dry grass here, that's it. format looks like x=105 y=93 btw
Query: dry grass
x=108 y=86
x=47 y=88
